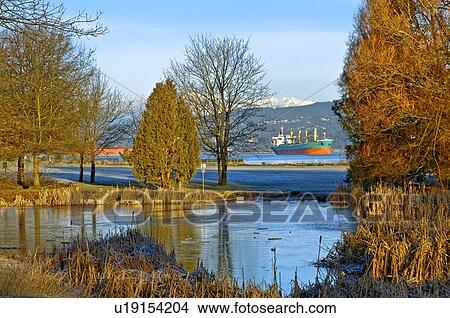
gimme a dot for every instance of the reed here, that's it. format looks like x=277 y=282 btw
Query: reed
x=126 y=264
x=74 y=196
x=19 y=278
x=404 y=235
x=367 y=286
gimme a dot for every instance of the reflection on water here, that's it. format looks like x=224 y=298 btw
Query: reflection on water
x=235 y=238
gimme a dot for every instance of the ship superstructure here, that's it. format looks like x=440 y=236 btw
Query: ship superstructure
x=293 y=144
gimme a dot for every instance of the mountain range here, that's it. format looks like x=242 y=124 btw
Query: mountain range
x=274 y=102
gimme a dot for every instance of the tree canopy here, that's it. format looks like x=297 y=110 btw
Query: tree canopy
x=42 y=71
x=395 y=96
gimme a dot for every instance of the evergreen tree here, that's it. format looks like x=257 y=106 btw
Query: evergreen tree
x=166 y=148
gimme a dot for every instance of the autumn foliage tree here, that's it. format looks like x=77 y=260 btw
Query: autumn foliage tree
x=41 y=72
x=395 y=91
x=28 y=27
x=166 y=148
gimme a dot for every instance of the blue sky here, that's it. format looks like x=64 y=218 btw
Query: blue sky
x=302 y=43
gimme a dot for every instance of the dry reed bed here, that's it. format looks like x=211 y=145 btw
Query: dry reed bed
x=73 y=196
x=127 y=264
x=21 y=278
x=404 y=236
x=367 y=286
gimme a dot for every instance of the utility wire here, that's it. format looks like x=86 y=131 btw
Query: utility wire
x=313 y=94
x=124 y=87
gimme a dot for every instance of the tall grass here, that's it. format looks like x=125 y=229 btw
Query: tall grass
x=27 y=278
x=126 y=264
x=404 y=235
x=73 y=196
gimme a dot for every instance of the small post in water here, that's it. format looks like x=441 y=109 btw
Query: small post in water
x=203 y=167
x=318 y=261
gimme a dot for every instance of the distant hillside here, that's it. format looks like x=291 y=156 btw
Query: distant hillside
x=319 y=115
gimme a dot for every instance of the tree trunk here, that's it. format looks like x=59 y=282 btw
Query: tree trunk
x=223 y=172
x=92 y=180
x=21 y=170
x=219 y=170
x=80 y=178
x=36 y=181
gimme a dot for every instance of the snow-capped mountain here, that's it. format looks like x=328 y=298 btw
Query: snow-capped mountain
x=274 y=102
x=292 y=101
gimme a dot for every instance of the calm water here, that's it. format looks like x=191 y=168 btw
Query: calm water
x=235 y=238
x=269 y=158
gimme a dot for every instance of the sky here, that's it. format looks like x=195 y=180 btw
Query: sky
x=301 y=42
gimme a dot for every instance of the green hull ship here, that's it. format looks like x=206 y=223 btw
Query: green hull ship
x=283 y=145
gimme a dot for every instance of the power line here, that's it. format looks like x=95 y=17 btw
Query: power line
x=313 y=94
x=124 y=87
x=282 y=114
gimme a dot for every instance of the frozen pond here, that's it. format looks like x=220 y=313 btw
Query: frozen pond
x=237 y=237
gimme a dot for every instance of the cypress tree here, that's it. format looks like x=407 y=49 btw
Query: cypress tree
x=166 y=148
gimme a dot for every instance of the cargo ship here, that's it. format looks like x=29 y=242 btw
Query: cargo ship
x=297 y=145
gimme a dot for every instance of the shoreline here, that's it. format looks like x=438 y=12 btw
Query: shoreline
x=357 y=270
x=63 y=191
x=73 y=195
x=212 y=166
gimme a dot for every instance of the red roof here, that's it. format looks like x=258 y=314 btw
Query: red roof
x=114 y=151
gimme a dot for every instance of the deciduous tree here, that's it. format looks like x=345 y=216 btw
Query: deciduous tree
x=103 y=113
x=16 y=15
x=43 y=71
x=223 y=84
x=395 y=91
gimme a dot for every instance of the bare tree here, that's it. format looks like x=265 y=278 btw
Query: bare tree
x=104 y=113
x=136 y=110
x=19 y=14
x=223 y=83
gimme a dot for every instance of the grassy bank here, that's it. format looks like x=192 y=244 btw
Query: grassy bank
x=70 y=194
x=80 y=194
